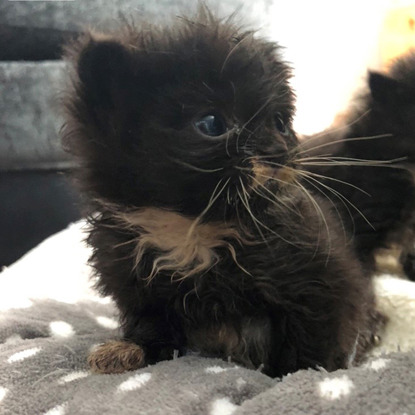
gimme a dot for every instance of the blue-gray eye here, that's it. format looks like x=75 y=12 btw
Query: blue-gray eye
x=281 y=125
x=212 y=125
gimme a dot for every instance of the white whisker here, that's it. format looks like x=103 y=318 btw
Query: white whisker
x=341 y=196
x=373 y=137
x=195 y=168
x=342 y=127
x=322 y=217
x=334 y=180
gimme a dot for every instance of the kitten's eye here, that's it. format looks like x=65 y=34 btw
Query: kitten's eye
x=280 y=124
x=212 y=125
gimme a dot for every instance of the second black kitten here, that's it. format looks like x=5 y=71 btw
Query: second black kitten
x=203 y=231
x=369 y=160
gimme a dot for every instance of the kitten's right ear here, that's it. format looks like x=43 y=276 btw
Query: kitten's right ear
x=387 y=90
x=104 y=70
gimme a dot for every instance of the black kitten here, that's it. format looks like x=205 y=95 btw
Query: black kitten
x=203 y=232
x=374 y=154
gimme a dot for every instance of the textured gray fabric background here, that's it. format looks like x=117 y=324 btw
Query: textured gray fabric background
x=43 y=371
x=76 y=14
x=29 y=115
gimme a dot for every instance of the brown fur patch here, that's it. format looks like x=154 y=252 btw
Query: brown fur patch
x=250 y=347
x=116 y=356
x=262 y=173
x=187 y=246
x=221 y=339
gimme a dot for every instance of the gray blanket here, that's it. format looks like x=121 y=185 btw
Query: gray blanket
x=50 y=320
x=43 y=370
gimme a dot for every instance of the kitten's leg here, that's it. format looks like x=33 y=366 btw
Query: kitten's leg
x=407 y=258
x=116 y=356
x=146 y=340
x=408 y=263
x=370 y=336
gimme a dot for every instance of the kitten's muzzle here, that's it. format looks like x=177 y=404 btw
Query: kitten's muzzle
x=272 y=169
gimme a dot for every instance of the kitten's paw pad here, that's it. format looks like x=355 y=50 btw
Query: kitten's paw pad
x=116 y=356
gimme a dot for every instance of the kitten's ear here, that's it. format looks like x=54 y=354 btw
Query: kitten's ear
x=104 y=69
x=388 y=91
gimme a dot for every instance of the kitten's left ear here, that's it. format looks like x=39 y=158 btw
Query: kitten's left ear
x=104 y=69
x=388 y=91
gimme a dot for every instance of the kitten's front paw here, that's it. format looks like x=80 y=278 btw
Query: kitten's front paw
x=116 y=356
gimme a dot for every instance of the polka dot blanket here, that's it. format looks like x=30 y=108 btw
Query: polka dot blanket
x=50 y=318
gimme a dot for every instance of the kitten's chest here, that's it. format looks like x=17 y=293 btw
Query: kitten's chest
x=166 y=248
x=183 y=247
x=180 y=246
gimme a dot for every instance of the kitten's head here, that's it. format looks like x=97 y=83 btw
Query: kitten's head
x=392 y=105
x=398 y=87
x=179 y=117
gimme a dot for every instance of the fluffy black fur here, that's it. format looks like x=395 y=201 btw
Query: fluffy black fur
x=194 y=121
x=381 y=201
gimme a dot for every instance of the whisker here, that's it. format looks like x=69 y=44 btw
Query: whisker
x=301 y=172
x=261 y=108
x=250 y=134
x=275 y=200
x=363 y=162
x=257 y=221
x=339 y=215
x=322 y=176
x=195 y=168
x=232 y=51
x=322 y=217
x=274 y=163
x=373 y=137
x=228 y=135
x=270 y=156
x=342 y=127
x=375 y=163
x=211 y=202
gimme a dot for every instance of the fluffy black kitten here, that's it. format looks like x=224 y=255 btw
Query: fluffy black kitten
x=203 y=232
x=374 y=152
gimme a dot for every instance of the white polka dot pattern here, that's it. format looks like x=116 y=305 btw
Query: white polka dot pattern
x=223 y=406
x=61 y=329
x=19 y=356
x=377 y=364
x=134 y=382
x=335 y=388
x=240 y=383
x=13 y=339
x=108 y=323
x=70 y=377
x=215 y=369
x=3 y=393
x=57 y=410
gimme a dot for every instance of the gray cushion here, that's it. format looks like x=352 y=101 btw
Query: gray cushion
x=34 y=30
x=29 y=115
x=31 y=43
x=76 y=15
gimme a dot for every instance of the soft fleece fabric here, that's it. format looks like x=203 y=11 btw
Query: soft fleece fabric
x=50 y=318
